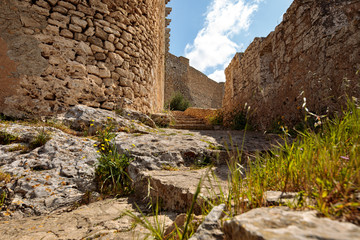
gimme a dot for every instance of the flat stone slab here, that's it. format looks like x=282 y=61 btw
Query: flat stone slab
x=175 y=189
x=281 y=223
x=100 y=220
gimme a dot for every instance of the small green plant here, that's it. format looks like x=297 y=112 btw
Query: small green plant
x=216 y=119
x=178 y=102
x=40 y=139
x=7 y=138
x=3 y=196
x=202 y=163
x=157 y=227
x=322 y=165
x=4 y=177
x=112 y=168
x=168 y=167
x=239 y=121
x=19 y=147
x=112 y=172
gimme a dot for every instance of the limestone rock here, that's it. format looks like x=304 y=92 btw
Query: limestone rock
x=99 y=220
x=91 y=119
x=161 y=119
x=281 y=223
x=154 y=150
x=49 y=177
x=210 y=229
x=136 y=115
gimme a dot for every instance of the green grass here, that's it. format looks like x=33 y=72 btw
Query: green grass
x=7 y=138
x=321 y=165
x=156 y=227
x=216 y=119
x=40 y=139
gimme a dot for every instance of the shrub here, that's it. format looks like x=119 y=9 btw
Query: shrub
x=216 y=119
x=178 y=102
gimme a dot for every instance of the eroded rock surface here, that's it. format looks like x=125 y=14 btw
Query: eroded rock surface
x=49 y=177
x=100 y=220
x=210 y=229
x=84 y=118
x=280 y=223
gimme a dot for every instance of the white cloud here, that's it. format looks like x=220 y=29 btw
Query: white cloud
x=218 y=76
x=213 y=46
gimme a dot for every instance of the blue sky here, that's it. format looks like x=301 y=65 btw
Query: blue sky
x=210 y=32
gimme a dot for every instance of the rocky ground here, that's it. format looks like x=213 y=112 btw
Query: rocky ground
x=52 y=193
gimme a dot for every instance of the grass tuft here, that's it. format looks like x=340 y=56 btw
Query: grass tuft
x=7 y=138
x=40 y=139
x=321 y=165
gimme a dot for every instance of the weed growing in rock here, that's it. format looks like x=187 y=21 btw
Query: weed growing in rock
x=178 y=102
x=202 y=163
x=216 y=119
x=3 y=196
x=322 y=166
x=168 y=167
x=4 y=178
x=40 y=139
x=112 y=172
x=156 y=227
x=7 y=138
x=19 y=147
x=112 y=168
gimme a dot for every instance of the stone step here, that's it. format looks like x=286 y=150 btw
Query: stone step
x=175 y=189
x=192 y=126
x=187 y=118
x=193 y=121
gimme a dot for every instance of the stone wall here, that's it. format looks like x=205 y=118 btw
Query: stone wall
x=314 y=53
x=201 y=91
x=101 y=53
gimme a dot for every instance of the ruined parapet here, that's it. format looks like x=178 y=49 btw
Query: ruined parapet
x=167 y=30
x=314 y=53
x=201 y=91
x=101 y=53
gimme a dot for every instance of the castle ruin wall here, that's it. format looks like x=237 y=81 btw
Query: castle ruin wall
x=201 y=91
x=55 y=54
x=313 y=54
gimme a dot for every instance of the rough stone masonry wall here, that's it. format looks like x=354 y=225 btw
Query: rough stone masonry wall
x=201 y=91
x=314 y=51
x=101 y=53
